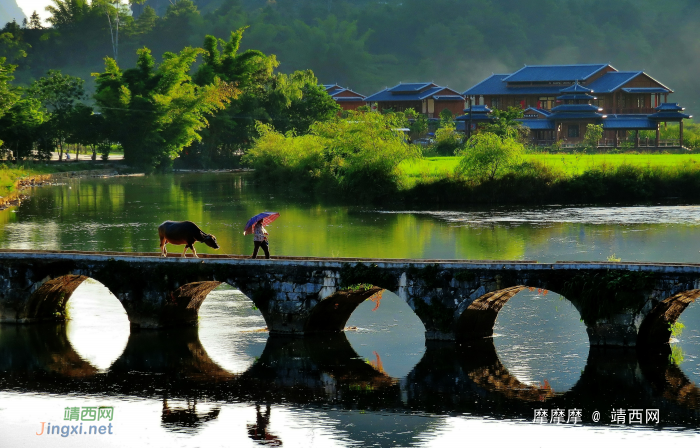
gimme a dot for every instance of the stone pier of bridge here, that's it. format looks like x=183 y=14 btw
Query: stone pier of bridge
x=622 y=304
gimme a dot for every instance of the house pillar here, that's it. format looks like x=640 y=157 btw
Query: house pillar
x=636 y=138
x=616 y=138
x=658 y=135
x=680 y=133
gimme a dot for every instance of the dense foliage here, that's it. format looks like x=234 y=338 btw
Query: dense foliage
x=155 y=110
x=357 y=155
x=367 y=44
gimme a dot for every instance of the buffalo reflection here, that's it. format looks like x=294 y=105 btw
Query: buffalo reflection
x=176 y=417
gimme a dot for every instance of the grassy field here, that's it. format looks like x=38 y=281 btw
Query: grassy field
x=432 y=168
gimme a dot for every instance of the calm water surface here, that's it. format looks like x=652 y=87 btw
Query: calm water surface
x=227 y=383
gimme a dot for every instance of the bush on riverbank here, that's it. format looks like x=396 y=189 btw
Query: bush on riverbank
x=358 y=155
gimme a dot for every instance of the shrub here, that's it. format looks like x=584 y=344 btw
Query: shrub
x=487 y=156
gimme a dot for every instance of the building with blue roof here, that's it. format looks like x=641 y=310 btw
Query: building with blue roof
x=423 y=97
x=347 y=99
x=561 y=100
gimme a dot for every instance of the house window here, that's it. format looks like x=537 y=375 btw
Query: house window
x=495 y=102
x=641 y=101
x=573 y=131
x=545 y=102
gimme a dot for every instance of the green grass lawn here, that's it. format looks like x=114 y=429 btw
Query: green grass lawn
x=432 y=168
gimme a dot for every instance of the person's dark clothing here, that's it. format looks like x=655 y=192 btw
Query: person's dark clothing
x=265 y=248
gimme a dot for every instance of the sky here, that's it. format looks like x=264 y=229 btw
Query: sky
x=29 y=6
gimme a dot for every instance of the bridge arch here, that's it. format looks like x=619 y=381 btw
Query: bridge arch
x=655 y=329
x=476 y=320
x=48 y=301
x=332 y=313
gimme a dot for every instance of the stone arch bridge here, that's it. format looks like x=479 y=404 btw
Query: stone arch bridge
x=622 y=304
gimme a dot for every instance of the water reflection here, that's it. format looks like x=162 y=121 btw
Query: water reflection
x=173 y=367
x=97 y=326
x=175 y=417
x=259 y=432
x=122 y=214
x=387 y=334
x=540 y=339
x=231 y=330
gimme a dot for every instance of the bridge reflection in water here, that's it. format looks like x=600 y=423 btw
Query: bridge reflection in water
x=173 y=367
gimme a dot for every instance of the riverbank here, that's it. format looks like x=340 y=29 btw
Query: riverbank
x=14 y=179
x=549 y=178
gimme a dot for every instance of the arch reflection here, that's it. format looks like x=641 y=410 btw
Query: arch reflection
x=541 y=341
x=388 y=334
x=231 y=329
x=97 y=325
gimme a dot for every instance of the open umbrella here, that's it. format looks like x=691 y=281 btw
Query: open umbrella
x=267 y=218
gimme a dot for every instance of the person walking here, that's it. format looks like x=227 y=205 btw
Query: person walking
x=260 y=239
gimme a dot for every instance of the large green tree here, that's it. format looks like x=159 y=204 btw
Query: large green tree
x=155 y=110
x=59 y=94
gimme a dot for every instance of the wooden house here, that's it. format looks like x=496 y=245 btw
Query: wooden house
x=559 y=101
x=426 y=98
x=347 y=99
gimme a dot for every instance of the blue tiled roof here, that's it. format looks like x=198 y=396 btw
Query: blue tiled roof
x=646 y=90
x=411 y=95
x=562 y=108
x=576 y=88
x=410 y=87
x=349 y=98
x=448 y=97
x=492 y=85
x=426 y=93
x=479 y=109
x=626 y=122
x=612 y=81
x=576 y=96
x=670 y=116
x=669 y=107
x=669 y=111
x=577 y=116
x=537 y=124
x=544 y=112
x=476 y=117
x=534 y=73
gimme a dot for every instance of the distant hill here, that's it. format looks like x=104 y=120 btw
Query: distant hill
x=9 y=10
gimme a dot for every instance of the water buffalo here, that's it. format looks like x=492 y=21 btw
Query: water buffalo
x=183 y=232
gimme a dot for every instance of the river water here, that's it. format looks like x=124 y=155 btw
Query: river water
x=227 y=383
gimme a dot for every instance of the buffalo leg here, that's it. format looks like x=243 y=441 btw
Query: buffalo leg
x=183 y=253
x=194 y=251
x=163 y=250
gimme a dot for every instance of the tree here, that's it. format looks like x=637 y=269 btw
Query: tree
x=8 y=95
x=505 y=123
x=20 y=128
x=66 y=13
x=35 y=22
x=60 y=94
x=487 y=155
x=156 y=110
x=594 y=132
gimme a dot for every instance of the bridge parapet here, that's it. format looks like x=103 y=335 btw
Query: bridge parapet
x=455 y=299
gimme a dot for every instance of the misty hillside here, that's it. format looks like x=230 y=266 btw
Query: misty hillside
x=9 y=11
x=368 y=45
